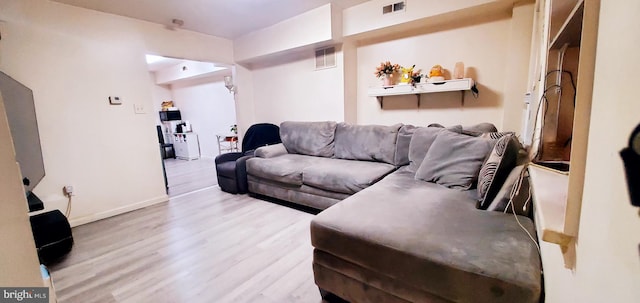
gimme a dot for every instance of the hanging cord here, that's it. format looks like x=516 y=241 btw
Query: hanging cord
x=538 y=152
x=474 y=91
x=68 y=191
x=573 y=84
x=544 y=114
x=515 y=190
x=575 y=91
x=68 y=212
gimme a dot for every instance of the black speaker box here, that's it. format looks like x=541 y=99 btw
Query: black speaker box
x=52 y=234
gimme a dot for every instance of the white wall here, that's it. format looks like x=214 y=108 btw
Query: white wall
x=367 y=17
x=210 y=109
x=285 y=87
x=306 y=29
x=187 y=70
x=159 y=94
x=607 y=260
x=245 y=109
x=516 y=66
x=294 y=90
x=73 y=59
x=482 y=47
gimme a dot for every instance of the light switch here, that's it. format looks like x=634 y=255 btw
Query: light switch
x=139 y=108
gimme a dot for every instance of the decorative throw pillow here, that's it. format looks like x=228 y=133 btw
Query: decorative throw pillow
x=496 y=168
x=496 y=135
x=509 y=192
x=454 y=160
x=420 y=143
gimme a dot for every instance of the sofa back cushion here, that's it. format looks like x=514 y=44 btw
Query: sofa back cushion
x=402 y=145
x=454 y=160
x=309 y=138
x=366 y=142
x=420 y=143
x=479 y=129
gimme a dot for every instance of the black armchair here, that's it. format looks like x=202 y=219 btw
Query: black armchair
x=231 y=168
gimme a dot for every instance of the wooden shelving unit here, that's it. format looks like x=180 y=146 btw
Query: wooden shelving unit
x=461 y=85
x=565 y=131
x=570 y=32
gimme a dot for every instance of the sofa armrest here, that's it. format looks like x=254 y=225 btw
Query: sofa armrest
x=227 y=157
x=271 y=151
x=241 y=174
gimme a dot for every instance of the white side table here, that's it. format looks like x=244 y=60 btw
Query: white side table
x=186 y=146
x=227 y=143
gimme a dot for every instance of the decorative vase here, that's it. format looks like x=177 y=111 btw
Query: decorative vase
x=458 y=70
x=387 y=80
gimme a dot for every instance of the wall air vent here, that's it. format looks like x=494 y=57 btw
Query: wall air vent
x=395 y=7
x=325 y=57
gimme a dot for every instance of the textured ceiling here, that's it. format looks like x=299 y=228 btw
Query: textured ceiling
x=223 y=18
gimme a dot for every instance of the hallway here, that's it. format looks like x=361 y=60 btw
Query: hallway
x=187 y=176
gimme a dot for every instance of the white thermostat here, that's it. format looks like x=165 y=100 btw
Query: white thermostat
x=113 y=100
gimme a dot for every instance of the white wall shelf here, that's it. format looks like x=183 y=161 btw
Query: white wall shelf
x=549 y=191
x=571 y=30
x=460 y=85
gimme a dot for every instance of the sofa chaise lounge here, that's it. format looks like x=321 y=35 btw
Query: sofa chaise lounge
x=401 y=219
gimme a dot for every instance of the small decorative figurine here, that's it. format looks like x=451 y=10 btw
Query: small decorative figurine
x=407 y=75
x=416 y=76
x=436 y=74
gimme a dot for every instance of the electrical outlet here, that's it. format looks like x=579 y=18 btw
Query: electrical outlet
x=68 y=190
x=139 y=108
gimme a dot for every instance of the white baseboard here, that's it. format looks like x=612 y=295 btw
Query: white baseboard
x=117 y=211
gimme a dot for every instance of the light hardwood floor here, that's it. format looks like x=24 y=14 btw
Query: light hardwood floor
x=206 y=246
x=186 y=176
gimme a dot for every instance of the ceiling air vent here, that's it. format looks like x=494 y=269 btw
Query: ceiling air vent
x=395 y=7
x=325 y=57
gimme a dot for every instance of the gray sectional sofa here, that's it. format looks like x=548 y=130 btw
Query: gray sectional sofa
x=401 y=219
x=321 y=163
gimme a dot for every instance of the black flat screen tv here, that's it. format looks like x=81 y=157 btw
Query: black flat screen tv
x=21 y=113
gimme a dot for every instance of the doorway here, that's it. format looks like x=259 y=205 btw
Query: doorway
x=194 y=109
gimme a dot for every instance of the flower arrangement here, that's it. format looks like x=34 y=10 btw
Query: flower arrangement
x=386 y=68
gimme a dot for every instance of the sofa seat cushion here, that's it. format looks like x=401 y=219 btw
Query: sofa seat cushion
x=434 y=239
x=226 y=169
x=344 y=176
x=285 y=169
